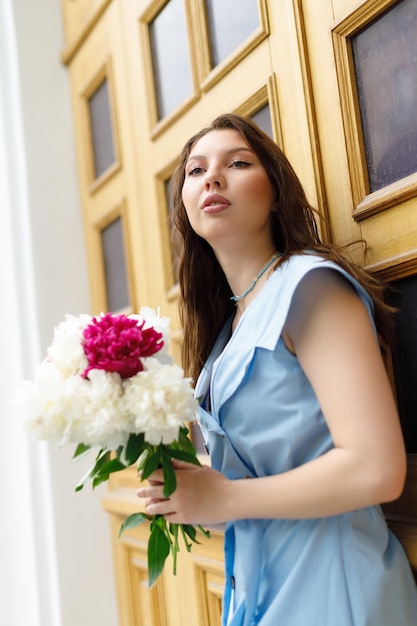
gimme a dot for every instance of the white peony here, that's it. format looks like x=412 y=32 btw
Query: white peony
x=71 y=409
x=66 y=349
x=158 y=401
x=43 y=404
x=98 y=417
x=153 y=319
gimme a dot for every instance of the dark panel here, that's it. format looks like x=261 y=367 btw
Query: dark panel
x=385 y=59
x=101 y=129
x=229 y=24
x=168 y=200
x=170 y=57
x=115 y=266
x=262 y=118
x=405 y=356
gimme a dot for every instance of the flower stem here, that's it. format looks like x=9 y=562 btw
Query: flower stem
x=175 y=548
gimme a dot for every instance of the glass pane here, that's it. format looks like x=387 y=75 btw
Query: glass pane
x=115 y=266
x=263 y=119
x=385 y=59
x=101 y=129
x=229 y=24
x=170 y=57
x=174 y=257
x=404 y=298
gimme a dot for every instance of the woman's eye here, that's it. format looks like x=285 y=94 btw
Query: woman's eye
x=239 y=163
x=194 y=171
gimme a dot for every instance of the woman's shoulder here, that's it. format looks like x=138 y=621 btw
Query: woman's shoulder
x=297 y=268
x=304 y=261
x=292 y=271
x=268 y=313
x=299 y=265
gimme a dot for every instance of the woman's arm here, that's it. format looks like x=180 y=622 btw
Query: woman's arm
x=329 y=330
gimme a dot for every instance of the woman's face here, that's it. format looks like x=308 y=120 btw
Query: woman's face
x=226 y=193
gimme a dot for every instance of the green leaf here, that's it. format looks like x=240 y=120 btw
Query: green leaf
x=184 y=536
x=205 y=532
x=151 y=463
x=104 y=472
x=173 y=529
x=181 y=455
x=114 y=465
x=80 y=450
x=158 y=551
x=133 y=449
x=142 y=457
x=132 y=521
x=185 y=443
x=103 y=453
x=170 y=481
x=184 y=430
x=190 y=531
x=102 y=458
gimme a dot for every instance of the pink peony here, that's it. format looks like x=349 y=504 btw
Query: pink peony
x=116 y=343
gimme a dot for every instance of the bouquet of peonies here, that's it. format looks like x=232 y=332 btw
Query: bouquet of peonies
x=108 y=382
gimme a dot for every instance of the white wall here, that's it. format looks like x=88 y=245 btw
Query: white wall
x=56 y=565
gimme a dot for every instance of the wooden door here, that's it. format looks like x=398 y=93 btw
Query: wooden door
x=155 y=71
x=362 y=58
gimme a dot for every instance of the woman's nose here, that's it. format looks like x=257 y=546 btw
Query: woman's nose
x=213 y=179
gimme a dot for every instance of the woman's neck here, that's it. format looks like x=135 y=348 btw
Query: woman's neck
x=247 y=273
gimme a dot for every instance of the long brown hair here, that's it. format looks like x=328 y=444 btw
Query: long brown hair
x=204 y=302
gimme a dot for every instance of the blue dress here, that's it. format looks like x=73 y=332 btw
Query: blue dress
x=263 y=419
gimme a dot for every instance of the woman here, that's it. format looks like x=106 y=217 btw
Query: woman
x=294 y=395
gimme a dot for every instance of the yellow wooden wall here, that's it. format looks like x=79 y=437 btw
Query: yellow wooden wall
x=298 y=62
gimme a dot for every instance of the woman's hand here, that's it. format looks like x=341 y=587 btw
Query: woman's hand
x=200 y=497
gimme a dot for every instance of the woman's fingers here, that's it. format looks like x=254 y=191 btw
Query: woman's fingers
x=154 y=492
x=156 y=481
x=198 y=498
x=183 y=465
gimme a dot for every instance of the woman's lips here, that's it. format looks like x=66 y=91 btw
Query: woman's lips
x=215 y=204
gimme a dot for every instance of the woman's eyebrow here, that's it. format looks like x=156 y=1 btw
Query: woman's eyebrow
x=227 y=152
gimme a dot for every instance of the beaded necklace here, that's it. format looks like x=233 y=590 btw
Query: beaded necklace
x=256 y=278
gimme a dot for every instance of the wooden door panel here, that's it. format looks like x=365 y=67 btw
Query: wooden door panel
x=386 y=218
